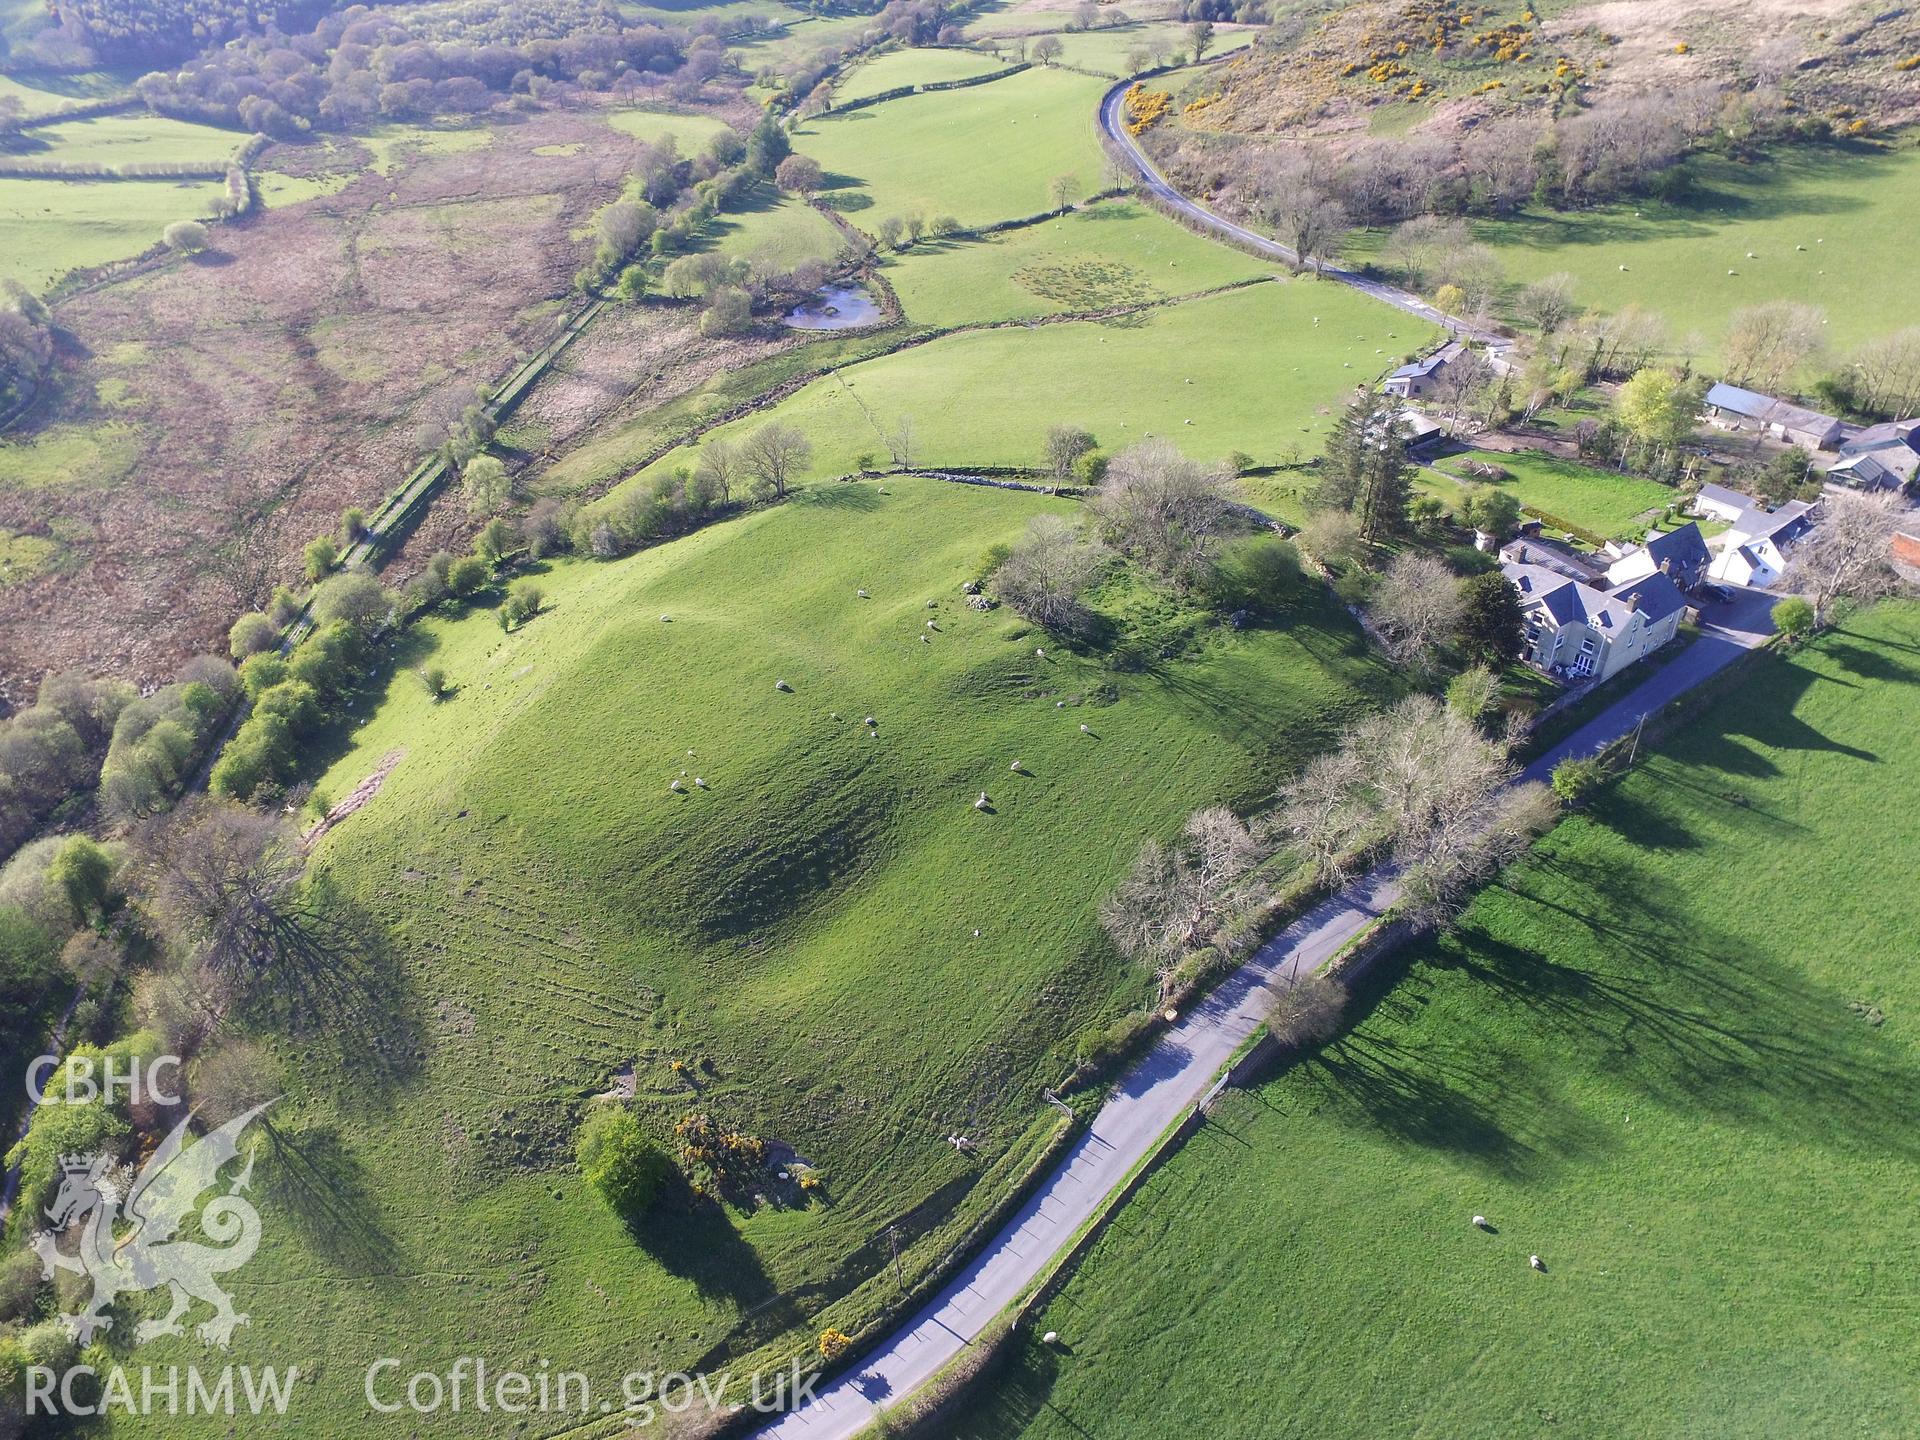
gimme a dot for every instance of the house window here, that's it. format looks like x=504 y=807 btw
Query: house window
x=1583 y=663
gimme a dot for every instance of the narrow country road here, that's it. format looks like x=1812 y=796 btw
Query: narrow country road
x=1177 y=1072
x=1113 y=124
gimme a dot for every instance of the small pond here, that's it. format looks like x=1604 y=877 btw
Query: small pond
x=835 y=307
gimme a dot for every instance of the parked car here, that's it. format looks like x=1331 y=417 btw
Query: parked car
x=1716 y=594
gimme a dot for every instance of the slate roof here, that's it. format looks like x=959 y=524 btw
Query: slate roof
x=1767 y=410
x=1426 y=365
x=1721 y=495
x=1782 y=526
x=1568 y=601
x=1659 y=597
x=1684 y=547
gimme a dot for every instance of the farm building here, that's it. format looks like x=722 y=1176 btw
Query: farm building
x=1731 y=408
x=1755 y=548
x=1681 y=555
x=1879 y=457
x=1419 y=432
x=1906 y=554
x=1717 y=502
x=1415 y=379
x=1581 y=633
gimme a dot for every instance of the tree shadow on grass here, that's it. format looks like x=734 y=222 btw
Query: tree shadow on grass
x=845 y=497
x=318 y=1182
x=338 y=984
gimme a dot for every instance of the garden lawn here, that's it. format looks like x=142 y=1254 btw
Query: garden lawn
x=48 y=227
x=1117 y=252
x=1674 y=1054
x=894 y=68
x=843 y=953
x=980 y=154
x=987 y=397
x=1600 y=501
x=1849 y=206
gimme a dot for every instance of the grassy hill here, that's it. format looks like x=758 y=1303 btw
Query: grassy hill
x=1671 y=1054
x=828 y=946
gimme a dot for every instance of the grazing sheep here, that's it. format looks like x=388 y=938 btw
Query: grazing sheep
x=863 y=594
x=666 y=619
x=1536 y=1262
x=1733 y=272
x=870 y=722
x=981 y=803
x=676 y=787
x=782 y=685
x=699 y=782
x=932 y=626
x=1039 y=653
x=1016 y=767
x=1623 y=269
x=833 y=714
x=1479 y=1222
x=1052 y=1337
x=1086 y=729
x=932 y=603
x=1800 y=247
x=1752 y=256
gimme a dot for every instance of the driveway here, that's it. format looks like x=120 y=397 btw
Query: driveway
x=1177 y=1072
x=1113 y=123
x=1728 y=631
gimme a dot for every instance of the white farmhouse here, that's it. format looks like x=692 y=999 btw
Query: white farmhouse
x=1756 y=545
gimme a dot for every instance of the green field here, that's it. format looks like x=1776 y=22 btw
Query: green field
x=985 y=153
x=1848 y=206
x=844 y=953
x=894 y=68
x=1596 y=500
x=1107 y=49
x=1118 y=252
x=42 y=92
x=776 y=230
x=987 y=397
x=1654 y=1055
x=133 y=139
x=692 y=132
x=48 y=227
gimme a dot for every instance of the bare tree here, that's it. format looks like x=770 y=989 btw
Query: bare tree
x=1299 y=205
x=1062 y=188
x=1848 y=556
x=223 y=886
x=1047 y=572
x=1163 y=509
x=1421 y=780
x=1333 y=537
x=900 y=443
x=1498 y=159
x=1422 y=247
x=1888 y=372
x=1179 y=898
x=717 y=469
x=772 y=456
x=1417 y=607
x=1459 y=385
x=1766 y=343
x=1065 y=445
x=1305 y=1011
x=1548 y=301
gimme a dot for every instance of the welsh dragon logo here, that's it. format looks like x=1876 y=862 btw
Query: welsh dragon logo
x=140 y=1249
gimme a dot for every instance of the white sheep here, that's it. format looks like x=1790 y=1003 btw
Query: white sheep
x=1479 y=1222
x=1016 y=767
x=863 y=594
x=932 y=626
x=1052 y=1337
x=1039 y=652
x=1752 y=256
x=666 y=619
x=676 y=787
x=782 y=685
x=1623 y=269
x=1086 y=729
x=870 y=722
x=1536 y=1262
x=699 y=782
x=981 y=803
x=932 y=603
